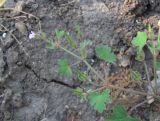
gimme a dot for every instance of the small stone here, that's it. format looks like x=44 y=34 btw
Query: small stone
x=7 y=115
x=4 y=35
x=21 y=27
x=7 y=94
x=17 y=100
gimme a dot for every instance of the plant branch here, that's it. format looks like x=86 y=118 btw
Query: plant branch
x=96 y=73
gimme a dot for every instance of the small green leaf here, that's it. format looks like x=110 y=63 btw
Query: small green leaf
x=78 y=31
x=78 y=28
x=120 y=114
x=64 y=68
x=71 y=41
x=150 y=32
x=60 y=34
x=140 y=55
x=99 y=99
x=82 y=76
x=80 y=93
x=41 y=36
x=83 y=46
x=135 y=75
x=140 y=40
x=50 y=45
x=85 y=43
x=105 y=53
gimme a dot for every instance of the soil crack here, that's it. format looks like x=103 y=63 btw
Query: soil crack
x=52 y=80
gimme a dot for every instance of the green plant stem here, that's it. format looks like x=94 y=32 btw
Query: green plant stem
x=154 y=70
x=88 y=65
x=71 y=53
x=96 y=73
x=148 y=76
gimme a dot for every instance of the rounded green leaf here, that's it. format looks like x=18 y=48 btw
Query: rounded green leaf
x=140 y=40
x=64 y=67
x=105 y=53
x=99 y=100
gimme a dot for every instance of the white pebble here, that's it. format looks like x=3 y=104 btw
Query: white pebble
x=4 y=35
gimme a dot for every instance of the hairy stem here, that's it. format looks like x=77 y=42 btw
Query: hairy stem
x=154 y=70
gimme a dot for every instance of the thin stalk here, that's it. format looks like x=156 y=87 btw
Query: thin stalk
x=154 y=70
x=71 y=53
x=93 y=70
x=148 y=76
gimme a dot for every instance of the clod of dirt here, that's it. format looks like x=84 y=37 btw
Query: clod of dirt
x=7 y=115
x=6 y=98
x=17 y=100
x=21 y=27
x=12 y=57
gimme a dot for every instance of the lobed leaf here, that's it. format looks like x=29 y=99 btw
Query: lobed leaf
x=99 y=100
x=82 y=76
x=64 y=68
x=50 y=45
x=120 y=114
x=80 y=93
x=85 y=43
x=83 y=46
x=135 y=75
x=78 y=30
x=105 y=53
x=60 y=34
x=71 y=42
x=140 y=40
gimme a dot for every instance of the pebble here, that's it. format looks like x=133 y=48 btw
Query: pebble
x=21 y=27
x=17 y=100
x=4 y=35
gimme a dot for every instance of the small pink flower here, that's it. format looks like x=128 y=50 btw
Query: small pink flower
x=32 y=35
